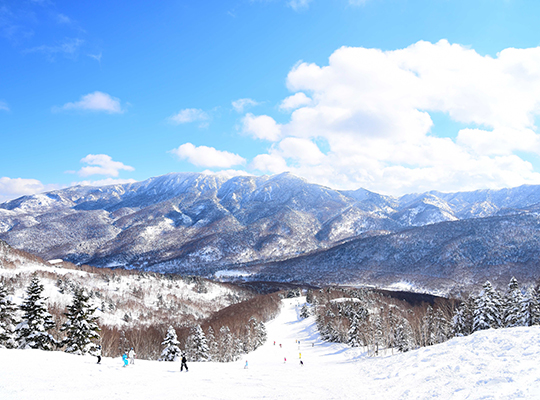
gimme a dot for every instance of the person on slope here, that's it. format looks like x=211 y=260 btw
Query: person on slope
x=132 y=356
x=184 y=361
x=246 y=366
x=98 y=354
x=125 y=359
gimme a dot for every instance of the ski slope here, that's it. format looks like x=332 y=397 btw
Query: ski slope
x=496 y=364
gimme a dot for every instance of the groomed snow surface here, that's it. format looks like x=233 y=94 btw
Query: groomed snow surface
x=495 y=364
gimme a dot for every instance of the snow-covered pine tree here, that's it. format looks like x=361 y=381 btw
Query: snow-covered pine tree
x=226 y=344
x=442 y=329
x=260 y=334
x=199 y=351
x=172 y=346
x=304 y=312
x=213 y=352
x=530 y=308
x=403 y=336
x=81 y=327
x=353 y=335
x=513 y=313
x=32 y=331
x=487 y=309
x=8 y=319
x=462 y=323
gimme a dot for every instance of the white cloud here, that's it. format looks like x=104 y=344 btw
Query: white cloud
x=203 y=156
x=295 y=101
x=298 y=4
x=241 y=104
x=102 y=164
x=261 y=127
x=273 y=163
x=68 y=48
x=96 y=57
x=4 y=106
x=372 y=109
x=189 y=115
x=63 y=19
x=12 y=188
x=97 y=101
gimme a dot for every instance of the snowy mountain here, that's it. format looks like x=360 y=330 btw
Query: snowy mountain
x=202 y=224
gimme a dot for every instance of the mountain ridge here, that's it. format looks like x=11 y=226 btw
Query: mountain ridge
x=202 y=223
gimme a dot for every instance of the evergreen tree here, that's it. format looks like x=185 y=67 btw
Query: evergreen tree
x=200 y=351
x=530 y=308
x=213 y=352
x=487 y=309
x=304 y=312
x=462 y=323
x=353 y=333
x=442 y=328
x=513 y=313
x=226 y=344
x=260 y=334
x=32 y=331
x=81 y=327
x=7 y=319
x=172 y=346
x=403 y=336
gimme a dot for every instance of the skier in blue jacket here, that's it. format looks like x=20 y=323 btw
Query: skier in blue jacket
x=125 y=359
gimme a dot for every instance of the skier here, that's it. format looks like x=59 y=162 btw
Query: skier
x=284 y=360
x=246 y=366
x=301 y=363
x=98 y=354
x=132 y=356
x=184 y=361
x=125 y=359
x=300 y=355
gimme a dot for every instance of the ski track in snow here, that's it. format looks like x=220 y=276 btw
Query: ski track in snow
x=495 y=364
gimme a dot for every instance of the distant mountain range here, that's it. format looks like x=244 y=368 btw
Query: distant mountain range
x=284 y=228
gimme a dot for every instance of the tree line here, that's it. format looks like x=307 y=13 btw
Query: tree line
x=363 y=317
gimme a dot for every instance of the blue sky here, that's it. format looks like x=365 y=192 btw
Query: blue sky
x=344 y=93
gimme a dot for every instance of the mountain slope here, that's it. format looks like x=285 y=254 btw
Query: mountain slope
x=199 y=224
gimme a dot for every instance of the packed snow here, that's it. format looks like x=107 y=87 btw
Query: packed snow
x=493 y=364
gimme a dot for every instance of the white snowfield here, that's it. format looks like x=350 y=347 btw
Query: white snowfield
x=495 y=364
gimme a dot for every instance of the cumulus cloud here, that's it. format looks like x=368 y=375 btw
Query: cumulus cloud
x=203 y=156
x=11 y=188
x=295 y=101
x=97 y=101
x=188 y=115
x=102 y=164
x=261 y=127
x=241 y=104
x=372 y=110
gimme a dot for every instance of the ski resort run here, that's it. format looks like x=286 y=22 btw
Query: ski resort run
x=491 y=364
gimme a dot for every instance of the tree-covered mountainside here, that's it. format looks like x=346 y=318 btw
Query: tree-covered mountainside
x=282 y=228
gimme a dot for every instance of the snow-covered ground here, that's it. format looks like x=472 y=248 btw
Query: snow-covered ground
x=496 y=364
